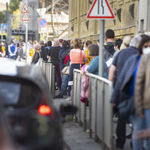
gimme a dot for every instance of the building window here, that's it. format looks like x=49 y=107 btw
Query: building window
x=131 y=10
x=119 y=14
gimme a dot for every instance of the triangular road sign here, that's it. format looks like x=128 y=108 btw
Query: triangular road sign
x=100 y=9
x=25 y=17
x=25 y=9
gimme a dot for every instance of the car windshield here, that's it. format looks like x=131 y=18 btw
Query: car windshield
x=17 y=94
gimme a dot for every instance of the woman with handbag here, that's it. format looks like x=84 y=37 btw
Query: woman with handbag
x=123 y=94
x=78 y=59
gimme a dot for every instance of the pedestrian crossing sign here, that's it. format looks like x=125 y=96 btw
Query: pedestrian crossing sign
x=100 y=9
x=3 y=27
x=25 y=9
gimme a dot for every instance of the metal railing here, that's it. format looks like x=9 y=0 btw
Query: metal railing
x=49 y=71
x=100 y=110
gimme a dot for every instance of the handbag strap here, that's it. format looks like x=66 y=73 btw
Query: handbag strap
x=80 y=58
x=39 y=55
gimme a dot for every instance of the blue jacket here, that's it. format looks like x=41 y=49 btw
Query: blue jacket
x=121 y=91
x=94 y=67
x=12 y=49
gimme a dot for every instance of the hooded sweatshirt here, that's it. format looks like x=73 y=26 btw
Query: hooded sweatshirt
x=109 y=50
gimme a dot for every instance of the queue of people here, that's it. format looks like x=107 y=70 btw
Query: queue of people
x=130 y=97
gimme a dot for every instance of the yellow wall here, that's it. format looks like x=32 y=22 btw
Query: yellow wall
x=78 y=12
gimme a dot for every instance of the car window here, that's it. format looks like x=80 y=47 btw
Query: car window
x=16 y=94
x=10 y=92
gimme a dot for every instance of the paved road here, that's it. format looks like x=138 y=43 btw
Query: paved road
x=77 y=139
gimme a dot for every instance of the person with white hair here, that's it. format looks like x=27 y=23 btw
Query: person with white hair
x=38 y=54
x=53 y=54
x=125 y=44
x=123 y=90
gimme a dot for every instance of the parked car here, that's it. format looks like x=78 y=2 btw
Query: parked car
x=33 y=121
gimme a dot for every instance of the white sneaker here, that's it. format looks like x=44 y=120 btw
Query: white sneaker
x=68 y=99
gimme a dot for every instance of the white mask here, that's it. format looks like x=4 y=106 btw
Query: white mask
x=146 y=50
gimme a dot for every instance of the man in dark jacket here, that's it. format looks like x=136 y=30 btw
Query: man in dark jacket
x=43 y=50
x=53 y=55
x=63 y=49
x=119 y=63
x=109 y=46
x=62 y=65
x=6 y=49
x=49 y=44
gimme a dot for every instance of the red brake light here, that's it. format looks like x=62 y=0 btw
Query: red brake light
x=44 y=110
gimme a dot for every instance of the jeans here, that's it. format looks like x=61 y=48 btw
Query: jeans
x=121 y=131
x=57 y=73
x=138 y=125
x=69 y=90
x=12 y=57
x=64 y=84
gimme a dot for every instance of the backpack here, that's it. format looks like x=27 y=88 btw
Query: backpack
x=63 y=56
x=39 y=63
x=107 y=57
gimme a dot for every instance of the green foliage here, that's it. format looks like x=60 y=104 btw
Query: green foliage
x=13 y=6
x=2 y=17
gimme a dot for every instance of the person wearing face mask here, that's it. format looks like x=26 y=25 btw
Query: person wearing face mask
x=123 y=94
x=141 y=119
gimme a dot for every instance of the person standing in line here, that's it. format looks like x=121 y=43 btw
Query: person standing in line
x=38 y=54
x=12 y=51
x=62 y=65
x=49 y=44
x=93 y=67
x=18 y=49
x=6 y=48
x=87 y=44
x=121 y=89
x=141 y=118
x=43 y=50
x=3 y=50
x=60 y=42
x=109 y=47
x=22 y=53
x=77 y=57
x=112 y=70
x=53 y=55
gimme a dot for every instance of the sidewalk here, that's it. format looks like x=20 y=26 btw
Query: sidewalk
x=76 y=138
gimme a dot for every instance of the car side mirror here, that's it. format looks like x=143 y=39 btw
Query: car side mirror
x=67 y=109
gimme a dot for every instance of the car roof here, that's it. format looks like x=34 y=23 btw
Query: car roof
x=9 y=67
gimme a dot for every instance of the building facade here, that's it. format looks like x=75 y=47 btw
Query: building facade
x=126 y=22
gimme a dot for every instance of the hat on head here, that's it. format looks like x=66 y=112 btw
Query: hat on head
x=60 y=40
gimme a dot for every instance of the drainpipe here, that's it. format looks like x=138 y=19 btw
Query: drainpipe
x=138 y=12
x=69 y=18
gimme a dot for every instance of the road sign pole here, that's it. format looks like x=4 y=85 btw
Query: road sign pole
x=26 y=42
x=101 y=52
x=1 y=33
x=2 y=36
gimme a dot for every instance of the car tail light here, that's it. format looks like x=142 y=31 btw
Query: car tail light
x=44 y=110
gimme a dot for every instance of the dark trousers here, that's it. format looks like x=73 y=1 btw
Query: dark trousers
x=58 y=75
x=121 y=131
